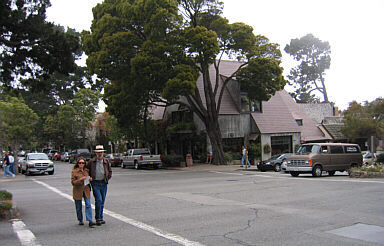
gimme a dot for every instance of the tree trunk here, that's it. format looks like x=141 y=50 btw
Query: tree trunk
x=214 y=134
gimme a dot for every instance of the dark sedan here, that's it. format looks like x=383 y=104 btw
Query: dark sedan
x=273 y=163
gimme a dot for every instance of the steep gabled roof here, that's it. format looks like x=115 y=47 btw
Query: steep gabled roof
x=226 y=69
x=280 y=114
x=276 y=117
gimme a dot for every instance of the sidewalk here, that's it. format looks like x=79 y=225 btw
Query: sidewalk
x=211 y=167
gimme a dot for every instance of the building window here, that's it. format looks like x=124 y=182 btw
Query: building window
x=248 y=105
x=299 y=122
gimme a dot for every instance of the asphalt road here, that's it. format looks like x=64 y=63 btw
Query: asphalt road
x=201 y=206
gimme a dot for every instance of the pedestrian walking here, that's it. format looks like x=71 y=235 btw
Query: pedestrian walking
x=100 y=172
x=7 y=165
x=81 y=189
x=244 y=157
x=12 y=162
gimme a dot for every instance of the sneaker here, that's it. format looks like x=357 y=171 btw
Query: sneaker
x=102 y=221
x=81 y=223
x=98 y=222
x=91 y=224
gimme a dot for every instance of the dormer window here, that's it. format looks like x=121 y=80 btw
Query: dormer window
x=248 y=105
x=299 y=122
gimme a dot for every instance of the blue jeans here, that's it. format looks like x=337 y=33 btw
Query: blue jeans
x=99 y=192
x=7 y=172
x=11 y=168
x=79 y=209
x=243 y=159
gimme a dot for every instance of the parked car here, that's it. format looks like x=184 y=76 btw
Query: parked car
x=138 y=158
x=369 y=158
x=56 y=156
x=51 y=153
x=115 y=159
x=330 y=157
x=273 y=163
x=37 y=163
x=64 y=156
x=76 y=153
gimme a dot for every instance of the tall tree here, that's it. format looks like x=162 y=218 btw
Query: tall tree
x=17 y=122
x=364 y=121
x=148 y=52
x=31 y=47
x=314 y=58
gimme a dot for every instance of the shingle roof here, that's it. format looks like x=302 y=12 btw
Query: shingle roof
x=276 y=117
x=280 y=114
x=335 y=131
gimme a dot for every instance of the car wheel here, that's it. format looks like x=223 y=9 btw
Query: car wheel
x=51 y=172
x=277 y=168
x=317 y=171
x=294 y=174
x=27 y=172
x=331 y=173
x=137 y=166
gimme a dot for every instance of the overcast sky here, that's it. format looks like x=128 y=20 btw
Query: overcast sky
x=354 y=29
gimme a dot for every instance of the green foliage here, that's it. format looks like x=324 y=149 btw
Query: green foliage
x=380 y=158
x=5 y=195
x=254 y=151
x=363 y=121
x=5 y=206
x=156 y=49
x=231 y=156
x=267 y=148
x=314 y=57
x=371 y=168
x=172 y=160
x=24 y=52
x=17 y=121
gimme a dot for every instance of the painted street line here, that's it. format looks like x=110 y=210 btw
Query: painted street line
x=25 y=236
x=170 y=236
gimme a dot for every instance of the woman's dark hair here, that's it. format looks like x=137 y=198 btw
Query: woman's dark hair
x=77 y=162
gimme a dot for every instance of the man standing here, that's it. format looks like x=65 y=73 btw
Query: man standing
x=101 y=172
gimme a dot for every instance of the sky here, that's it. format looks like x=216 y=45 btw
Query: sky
x=353 y=28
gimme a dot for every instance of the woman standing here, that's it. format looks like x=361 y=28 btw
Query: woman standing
x=81 y=188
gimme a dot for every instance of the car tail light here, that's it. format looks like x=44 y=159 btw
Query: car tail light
x=141 y=158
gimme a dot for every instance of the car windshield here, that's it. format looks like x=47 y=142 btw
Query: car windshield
x=368 y=155
x=141 y=152
x=116 y=154
x=83 y=151
x=274 y=157
x=309 y=148
x=38 y=157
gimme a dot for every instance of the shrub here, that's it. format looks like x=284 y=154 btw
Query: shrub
x=228 y=156
x=5 y=195
x=380 y=158
x=5 y=206
x=254 y=151
x=172 y=160
x=371 y=168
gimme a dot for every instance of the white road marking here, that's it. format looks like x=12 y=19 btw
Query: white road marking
x=170 y=236
x=25 y=236
x=303 y=178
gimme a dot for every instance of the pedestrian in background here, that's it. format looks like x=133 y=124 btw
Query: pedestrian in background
x=244 y=157
x=81 y=189
x=100 y=172
x=7 y=165
x=12 y=162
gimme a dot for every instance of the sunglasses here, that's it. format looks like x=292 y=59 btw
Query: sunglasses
x=81 y=162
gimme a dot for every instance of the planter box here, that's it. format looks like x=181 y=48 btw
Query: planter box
x=365 y=174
